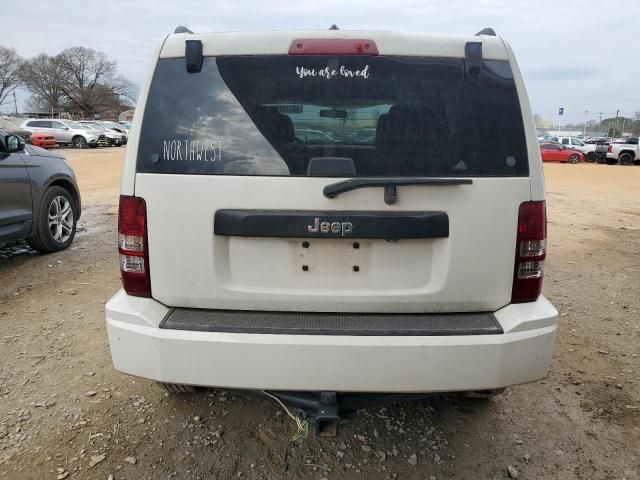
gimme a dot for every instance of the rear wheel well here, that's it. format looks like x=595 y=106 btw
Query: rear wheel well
x=68 y=186
x=630 y=152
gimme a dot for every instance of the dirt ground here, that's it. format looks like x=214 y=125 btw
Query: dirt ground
x=66 y=413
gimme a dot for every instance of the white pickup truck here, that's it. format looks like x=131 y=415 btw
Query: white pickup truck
x=626 y=152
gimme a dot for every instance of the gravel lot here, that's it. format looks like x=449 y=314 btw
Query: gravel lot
x=66 y=413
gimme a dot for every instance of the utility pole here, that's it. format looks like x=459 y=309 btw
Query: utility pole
x=586 y=117
x=616 y=129
x=600 y=124
x=15 y=104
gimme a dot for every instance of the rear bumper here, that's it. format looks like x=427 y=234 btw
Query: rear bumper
x=332 y=362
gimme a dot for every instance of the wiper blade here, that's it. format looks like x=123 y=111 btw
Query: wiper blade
x=389 y=183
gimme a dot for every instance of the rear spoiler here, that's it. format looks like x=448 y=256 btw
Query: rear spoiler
x=472 y=51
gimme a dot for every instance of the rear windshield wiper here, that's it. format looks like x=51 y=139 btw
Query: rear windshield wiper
x=389 y=183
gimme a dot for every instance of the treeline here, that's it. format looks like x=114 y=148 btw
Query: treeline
x=613 y=127
x=77 y=79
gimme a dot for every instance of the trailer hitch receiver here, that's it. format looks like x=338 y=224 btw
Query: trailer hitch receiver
x=327 y=416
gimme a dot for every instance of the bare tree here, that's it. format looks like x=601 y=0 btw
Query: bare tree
x=44 y=76
x=537 y=118
x=636 y=115
x=91 y=83
x=10 y=63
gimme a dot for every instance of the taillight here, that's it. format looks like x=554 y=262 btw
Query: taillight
x=609 y=148
x=132 y=245
x=531 y=250
x=333 y=46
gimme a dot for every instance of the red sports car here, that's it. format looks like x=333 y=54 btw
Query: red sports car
x=554 y=152
x=44 y=140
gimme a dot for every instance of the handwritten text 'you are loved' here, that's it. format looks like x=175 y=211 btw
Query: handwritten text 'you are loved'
x=329 y=73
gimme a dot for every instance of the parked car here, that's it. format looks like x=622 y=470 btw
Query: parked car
x=589 y=150
x=625 y=151
x=315 y=136
x=43 y=140
x=67 y=132
x=39 y=198
x=11 y=128
x=555 y=152
x=601 y=146
x=325 y=287
x=113 y=138
x=115 y=126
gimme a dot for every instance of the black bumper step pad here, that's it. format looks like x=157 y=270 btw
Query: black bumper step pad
x=356 y=324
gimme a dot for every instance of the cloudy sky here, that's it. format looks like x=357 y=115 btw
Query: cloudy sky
x=582 y=55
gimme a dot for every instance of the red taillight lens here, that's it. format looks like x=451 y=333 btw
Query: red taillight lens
x=132 y=245
x=609 y=148
x=333 y=46
x=531 y=250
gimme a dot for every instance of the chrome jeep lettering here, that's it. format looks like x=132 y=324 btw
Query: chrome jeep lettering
x=343 y=228
x=314 y=228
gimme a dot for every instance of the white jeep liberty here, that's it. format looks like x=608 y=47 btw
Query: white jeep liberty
x=333 y=211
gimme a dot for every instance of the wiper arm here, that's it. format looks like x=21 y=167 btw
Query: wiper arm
x=389 y=183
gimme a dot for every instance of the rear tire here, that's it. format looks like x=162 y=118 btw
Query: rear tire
x=79 y=142
x=177 y=388
x=590 y=157
x=574 y=158
x=625 y=158
x=55 y=222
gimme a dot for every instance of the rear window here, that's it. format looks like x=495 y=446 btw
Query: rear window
x=379 y=116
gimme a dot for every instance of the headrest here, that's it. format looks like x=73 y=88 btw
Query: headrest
x=331 y=167
x=274 y=125
x=382 y=129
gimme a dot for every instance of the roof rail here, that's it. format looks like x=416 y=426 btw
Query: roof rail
x=486 y=31
x=182 y=29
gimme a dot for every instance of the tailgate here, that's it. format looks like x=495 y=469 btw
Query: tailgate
x=233 y=160
x=469 y=270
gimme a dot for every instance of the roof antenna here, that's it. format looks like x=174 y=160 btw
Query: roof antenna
x=334 y=27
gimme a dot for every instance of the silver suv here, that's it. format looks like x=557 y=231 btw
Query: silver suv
x=67 y=132
x=113 y=138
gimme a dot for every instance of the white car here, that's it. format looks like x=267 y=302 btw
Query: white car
x=113 y=138
x=588 y=149
x=253 y=260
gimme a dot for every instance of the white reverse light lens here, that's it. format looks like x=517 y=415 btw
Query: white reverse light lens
x=533 y=248
x=133 y=243
x=131 y=264
x=530 y=270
